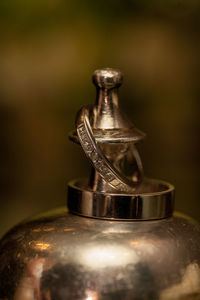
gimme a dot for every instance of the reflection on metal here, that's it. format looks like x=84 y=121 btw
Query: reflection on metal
x=155 y=201
x=101 y=259
x=29 y=285
x=106 y=256
x=47 y=229
x=190 y=284
x=92 y=295
x=68 y=229
x=40 y=245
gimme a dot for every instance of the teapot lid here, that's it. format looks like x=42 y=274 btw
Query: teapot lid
x=116 y=189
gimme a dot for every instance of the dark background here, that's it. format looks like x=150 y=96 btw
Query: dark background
x=48 y=51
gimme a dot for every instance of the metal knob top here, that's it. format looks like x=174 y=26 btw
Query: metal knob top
x=108 y=122
x=107 y=78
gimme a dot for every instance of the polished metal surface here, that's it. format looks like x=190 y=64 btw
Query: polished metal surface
x=153 y=199
x=67 y=257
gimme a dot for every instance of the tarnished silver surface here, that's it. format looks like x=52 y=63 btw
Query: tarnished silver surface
x=153 y=199
x=67 y=257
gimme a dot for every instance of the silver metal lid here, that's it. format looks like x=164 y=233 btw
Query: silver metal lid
x=116 y=188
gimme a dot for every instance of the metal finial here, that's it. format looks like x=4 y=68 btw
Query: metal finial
x=107 y=78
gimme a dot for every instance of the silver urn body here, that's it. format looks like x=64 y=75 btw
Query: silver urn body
x=63 y=256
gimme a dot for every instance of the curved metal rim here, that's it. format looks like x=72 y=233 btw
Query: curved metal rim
x=137 y=206
x=108 y=137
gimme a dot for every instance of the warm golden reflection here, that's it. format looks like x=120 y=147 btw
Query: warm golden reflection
x=37 y=230
x=48 y=229
x=68 y=229
x=91 y=295
x=45 y=229
x=40 y=245
x=134 y=243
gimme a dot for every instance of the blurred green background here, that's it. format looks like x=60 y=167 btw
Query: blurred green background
x=48 y=51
